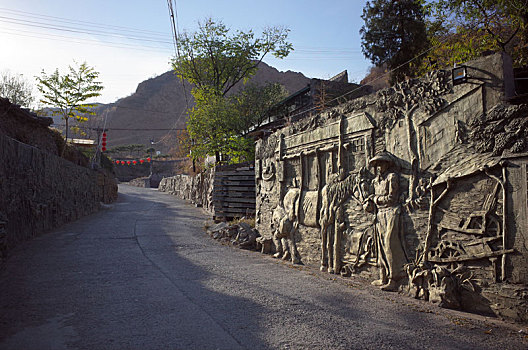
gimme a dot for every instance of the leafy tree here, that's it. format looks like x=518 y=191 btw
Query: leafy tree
x=211 y=124
x=462 y=30
x=68 y=93
x=394 y=33
x=254 y=101
x=214 y=60
x=17 y=89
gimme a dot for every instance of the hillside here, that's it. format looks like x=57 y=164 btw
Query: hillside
x=159 y=103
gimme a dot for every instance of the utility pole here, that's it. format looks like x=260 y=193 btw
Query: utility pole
x=97 y=158
x=151 y=159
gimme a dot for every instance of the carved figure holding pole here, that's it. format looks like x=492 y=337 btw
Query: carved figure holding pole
x=331 y=220
x=384 y=203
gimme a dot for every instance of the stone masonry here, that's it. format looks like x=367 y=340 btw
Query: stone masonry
x=421 y=188
x=40 y=190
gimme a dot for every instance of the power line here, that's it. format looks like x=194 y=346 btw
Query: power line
x=173 y=15
x=48 y=36
x=79 y=30
x=122 y=129
x=151 y=33
x=77 y=22
x=143 y=110
x=376 y=79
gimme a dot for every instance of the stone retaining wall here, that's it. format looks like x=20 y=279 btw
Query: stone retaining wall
x=41 y=191
x=197 y=189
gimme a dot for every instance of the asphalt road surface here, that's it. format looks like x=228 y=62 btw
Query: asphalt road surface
x=144 y=275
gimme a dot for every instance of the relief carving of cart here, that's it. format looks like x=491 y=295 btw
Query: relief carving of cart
x=473 y=237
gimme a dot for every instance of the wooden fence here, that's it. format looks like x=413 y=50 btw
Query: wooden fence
x=234 y=191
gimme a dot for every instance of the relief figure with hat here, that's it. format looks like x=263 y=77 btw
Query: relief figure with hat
x=384 y=203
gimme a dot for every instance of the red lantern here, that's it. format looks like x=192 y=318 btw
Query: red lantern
x=142 y=161
x=135 y=162
x=128 y=162
x=148 y=159
x=103 y=143
x=122 y=162
x=117 y=162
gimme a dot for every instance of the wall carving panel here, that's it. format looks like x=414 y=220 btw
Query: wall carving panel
x=390 y=186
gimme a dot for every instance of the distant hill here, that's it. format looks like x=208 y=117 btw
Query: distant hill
x=159 y=103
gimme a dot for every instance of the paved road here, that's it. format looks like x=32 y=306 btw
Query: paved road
x=143 y=275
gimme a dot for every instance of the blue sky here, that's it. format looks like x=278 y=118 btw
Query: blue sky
x=130 y=41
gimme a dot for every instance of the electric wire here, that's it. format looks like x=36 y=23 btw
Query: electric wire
x=150 y=36
x=76 y=22
x=120 y=129
x=79 y=30
x=173 y=17
x=84 y=41
x=373 y=80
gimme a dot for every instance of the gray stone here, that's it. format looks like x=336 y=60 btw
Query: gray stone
x=451 y=210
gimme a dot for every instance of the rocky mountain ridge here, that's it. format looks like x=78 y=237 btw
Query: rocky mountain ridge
x=157 y=110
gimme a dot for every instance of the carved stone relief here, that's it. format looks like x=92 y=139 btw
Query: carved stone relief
x=392 y=186
x=285 y=224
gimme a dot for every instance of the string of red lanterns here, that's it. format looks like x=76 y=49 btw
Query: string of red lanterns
x=132 y=162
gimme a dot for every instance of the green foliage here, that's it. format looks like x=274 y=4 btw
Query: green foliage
x=68 y=93
x=210 y=123
x=17 y=89
x=254 y=101
x=394 y=33
x=219 y=124
x=214 y=59
x=462 y=30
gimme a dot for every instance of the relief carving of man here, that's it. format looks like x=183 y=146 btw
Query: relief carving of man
x=384 y=203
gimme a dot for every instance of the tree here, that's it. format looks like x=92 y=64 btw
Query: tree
x=68 y=93
x=394 y=34
x=254 y=101
x=402 y=101
x=219 y=124
x=461 y=30
x=211 y=124
x=214 y=60
x=15 y=88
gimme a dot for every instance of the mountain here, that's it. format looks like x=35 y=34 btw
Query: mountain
x=160 y=103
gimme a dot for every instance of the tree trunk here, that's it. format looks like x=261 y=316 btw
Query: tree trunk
x=65 y=136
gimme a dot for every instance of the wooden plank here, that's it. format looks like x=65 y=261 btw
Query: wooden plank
x=237 y=177
x=234 y=183
x=234 y=205
x=235 y=199
x=234 y=194
x=234 y=188
x=233 y=210
x=482 y=255
x=235 y=172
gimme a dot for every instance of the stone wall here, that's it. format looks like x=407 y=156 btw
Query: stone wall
x=160 y=169
x=28 y=128
x=197 y=189
x=413 y=187
x=227 y=192
x=41 y=191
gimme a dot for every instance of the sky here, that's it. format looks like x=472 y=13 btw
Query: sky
x=130 y=41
